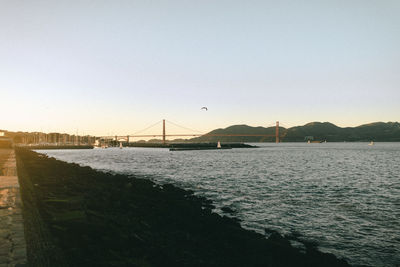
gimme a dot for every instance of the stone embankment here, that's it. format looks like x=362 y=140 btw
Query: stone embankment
x=76 y=216
x=12 y=240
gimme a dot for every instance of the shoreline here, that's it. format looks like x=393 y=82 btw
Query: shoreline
x=53 y=147
x=76 y=216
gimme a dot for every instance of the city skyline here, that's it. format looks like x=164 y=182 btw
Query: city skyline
x=102 y=68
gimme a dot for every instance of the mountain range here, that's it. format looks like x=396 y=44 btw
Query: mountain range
x=313 y=131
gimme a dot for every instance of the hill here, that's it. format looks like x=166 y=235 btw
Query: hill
x=240 y=130
x=315 y=131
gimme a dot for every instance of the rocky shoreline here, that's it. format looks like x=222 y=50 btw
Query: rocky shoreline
x=77 y=216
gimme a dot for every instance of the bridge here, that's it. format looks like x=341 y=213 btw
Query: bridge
x=164 y=135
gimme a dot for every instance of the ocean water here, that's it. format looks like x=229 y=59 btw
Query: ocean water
x=344 y=197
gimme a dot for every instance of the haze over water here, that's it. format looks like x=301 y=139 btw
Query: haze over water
x=343 y=196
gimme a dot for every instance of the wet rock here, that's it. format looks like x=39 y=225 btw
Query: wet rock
x=228 y=210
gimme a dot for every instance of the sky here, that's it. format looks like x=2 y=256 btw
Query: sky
x=115 y=67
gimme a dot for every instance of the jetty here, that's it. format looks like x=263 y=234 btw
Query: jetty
x=12 y=238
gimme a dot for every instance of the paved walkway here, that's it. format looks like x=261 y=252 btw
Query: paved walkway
x=12 y=240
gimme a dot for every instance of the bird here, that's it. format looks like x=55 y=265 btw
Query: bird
x=205 y=108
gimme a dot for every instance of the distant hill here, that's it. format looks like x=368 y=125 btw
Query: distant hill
x=315 y=131
x=239 y=130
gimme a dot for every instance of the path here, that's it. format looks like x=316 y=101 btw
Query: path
x=12 y=240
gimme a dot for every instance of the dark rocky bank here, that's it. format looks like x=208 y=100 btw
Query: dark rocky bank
x=76 y=216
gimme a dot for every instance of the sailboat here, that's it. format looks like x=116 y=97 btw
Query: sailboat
x=120 y=145
x=219 y=144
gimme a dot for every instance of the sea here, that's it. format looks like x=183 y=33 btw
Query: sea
x=342 y=197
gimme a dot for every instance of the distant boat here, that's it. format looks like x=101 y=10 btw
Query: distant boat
x=371 y=143
x=219 y=145
x=308 y=142
x=120 y=145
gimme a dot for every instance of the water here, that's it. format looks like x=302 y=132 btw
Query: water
x=343 y=196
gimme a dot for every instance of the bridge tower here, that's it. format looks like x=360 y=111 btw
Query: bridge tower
x=277 y=132
x=163 y=132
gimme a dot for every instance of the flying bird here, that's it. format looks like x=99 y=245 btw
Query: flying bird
x=205 y=108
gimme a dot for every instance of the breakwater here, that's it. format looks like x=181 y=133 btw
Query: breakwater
x=204 y=145
x=82 y=217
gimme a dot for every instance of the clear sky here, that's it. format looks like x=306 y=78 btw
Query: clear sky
x=114 y=67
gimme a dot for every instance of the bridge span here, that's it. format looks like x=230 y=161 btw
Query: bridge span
x=164 y=135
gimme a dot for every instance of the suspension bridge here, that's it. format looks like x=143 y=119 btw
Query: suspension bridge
x=164 y=135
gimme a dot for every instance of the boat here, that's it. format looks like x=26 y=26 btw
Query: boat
x=120 y=145
x=371 y=143
x=219 y=144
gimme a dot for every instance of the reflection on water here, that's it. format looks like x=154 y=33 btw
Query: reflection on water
x=344 y=196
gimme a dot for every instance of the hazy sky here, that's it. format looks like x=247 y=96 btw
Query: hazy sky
x=115 y=67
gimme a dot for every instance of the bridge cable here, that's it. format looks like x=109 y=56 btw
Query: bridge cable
x=183 y=127
x=145 y=129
